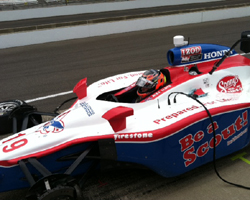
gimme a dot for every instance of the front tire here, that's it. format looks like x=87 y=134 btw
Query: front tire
x=17 y=109
x=6 y=107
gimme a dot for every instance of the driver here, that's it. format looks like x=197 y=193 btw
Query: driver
x=150 y=81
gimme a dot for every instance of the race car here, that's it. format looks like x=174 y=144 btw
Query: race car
x=199 y=115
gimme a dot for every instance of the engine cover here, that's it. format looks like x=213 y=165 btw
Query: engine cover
x=196 y=53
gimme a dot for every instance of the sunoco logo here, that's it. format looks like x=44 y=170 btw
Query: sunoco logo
x=230 y=84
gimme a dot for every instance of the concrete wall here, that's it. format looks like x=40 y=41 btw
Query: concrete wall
x=59 y=34
x=89 y=8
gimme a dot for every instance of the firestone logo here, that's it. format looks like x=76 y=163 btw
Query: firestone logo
x=133 y=136
x=230 y=84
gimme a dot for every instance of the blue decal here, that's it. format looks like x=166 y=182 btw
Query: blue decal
x=87 y=108
x=55 y=124
x=196 y=53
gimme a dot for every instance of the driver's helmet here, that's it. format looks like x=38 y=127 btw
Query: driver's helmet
x=150 y=81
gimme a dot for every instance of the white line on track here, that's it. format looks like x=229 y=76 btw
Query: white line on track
x=69 y=92
x=244 y=54
x=49 y=96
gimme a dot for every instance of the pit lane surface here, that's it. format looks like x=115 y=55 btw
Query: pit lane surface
x=40 y=70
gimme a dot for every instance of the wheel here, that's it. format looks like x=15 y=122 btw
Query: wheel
x=6 y=107
x=18 y=109
x=59 y=193
x=55 y=187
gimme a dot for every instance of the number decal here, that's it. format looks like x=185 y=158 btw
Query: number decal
x=19 y=135
x=15 y=145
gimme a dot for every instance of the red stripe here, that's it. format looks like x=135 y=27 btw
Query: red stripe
x=12 y=162
x=178 y=76
x=158 y=134
x=174 y=128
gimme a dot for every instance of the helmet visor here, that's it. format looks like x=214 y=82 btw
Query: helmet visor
x=144 y=83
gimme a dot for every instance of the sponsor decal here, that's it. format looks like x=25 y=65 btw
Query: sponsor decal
x=118 y=78
x=157 y=94
x=186 y=69
x=230 y=84
x=87 y=108
x=236 y=137
x=132 y=136
x=106 y=82
x=54 y=126
x=130 y=87
x=190 y=153
x=206 y=82
x=186 y=110
x=176 y=114
x=191 y=54
x=215 y=54
x=125 y=89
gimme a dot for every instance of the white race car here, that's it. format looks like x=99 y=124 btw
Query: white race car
x=204 y=104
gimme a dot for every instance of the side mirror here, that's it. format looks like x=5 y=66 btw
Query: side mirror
x=245 y=42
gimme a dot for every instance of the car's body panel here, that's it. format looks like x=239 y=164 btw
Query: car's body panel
x=168 y=137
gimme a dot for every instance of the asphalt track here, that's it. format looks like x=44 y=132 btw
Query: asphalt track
x=40 y=70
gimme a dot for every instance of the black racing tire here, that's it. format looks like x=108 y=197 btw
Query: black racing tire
x=59 y=193
x=18 y=109
x=55 y=187
x=6 y=107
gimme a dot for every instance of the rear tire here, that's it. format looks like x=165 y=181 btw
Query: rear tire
x=55 y=187
x=59 y=193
